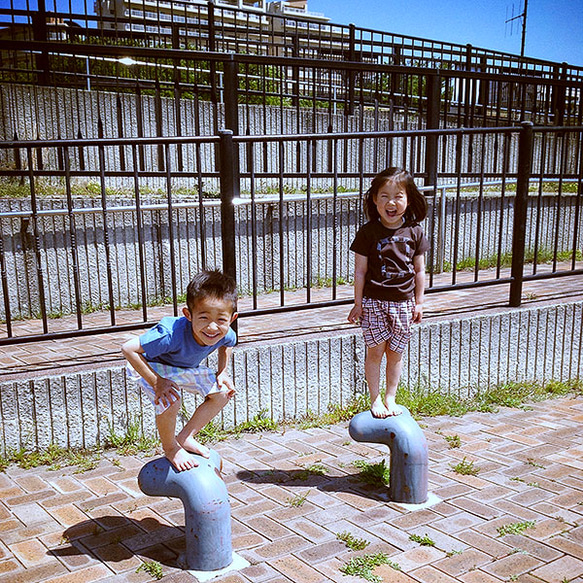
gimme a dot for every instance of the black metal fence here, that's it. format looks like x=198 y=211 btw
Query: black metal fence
x=87 y=245
x=282 y=71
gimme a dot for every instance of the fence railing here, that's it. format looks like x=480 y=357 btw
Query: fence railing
x=262 y=61
x=86 y=237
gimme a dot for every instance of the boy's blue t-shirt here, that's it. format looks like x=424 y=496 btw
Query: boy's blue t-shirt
x=171 y=342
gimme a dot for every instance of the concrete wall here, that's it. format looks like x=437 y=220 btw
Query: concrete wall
x=290 y=378
x=190 y=235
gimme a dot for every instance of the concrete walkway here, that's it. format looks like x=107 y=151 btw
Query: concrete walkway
x=292 y=492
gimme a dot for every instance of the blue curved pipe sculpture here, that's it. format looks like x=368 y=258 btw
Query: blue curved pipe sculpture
x=408 y=447
x=206 y=508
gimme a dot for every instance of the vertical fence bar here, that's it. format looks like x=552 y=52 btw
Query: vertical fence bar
x=229 y=182
x=4 y=278
x=140 y=232
x=525 y=150
x=73 y=237
x=37 y=246
x=171 y=234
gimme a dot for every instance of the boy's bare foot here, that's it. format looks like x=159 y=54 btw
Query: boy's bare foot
x=190 y=444
x=181 y=459
x=378 y=409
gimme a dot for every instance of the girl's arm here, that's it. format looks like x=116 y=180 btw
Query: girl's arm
x=223 y=378
x=419 y=266
x=360 y=269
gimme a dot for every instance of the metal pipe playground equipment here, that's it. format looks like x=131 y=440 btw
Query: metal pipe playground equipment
x=206 y=508
x=408 y=447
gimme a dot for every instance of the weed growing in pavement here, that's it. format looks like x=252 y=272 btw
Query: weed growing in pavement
x=312 y=470
x=153 y=568
x=298 y=500
x=453 y=440
x=466 y=468
x=424 y=541
x=353 y=543
x=373 y=473
x=53 y=456
x=534 y=463
x=515 y=527
x=363 y=566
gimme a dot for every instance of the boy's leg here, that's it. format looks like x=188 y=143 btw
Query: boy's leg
x=176 y=454
x=372 y=371
x=394 y=366
x=203 y=414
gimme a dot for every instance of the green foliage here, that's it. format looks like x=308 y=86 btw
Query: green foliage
x=153 y=568
x=133 y=440
x=353 y=543
x=53 y=456
x=515 y=527
x=432 y=403
x=424 y=541
x=298 y=500
x=363 y=565
x=466 y=468
x=312 y=470
x=375 y=474
x=453 y=440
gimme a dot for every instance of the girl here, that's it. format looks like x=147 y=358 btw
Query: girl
x=389 y=278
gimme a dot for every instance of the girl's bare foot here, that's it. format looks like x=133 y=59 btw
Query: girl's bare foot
x=190 y=444
x=392 y=408
x=181 y=459
x=378 y=409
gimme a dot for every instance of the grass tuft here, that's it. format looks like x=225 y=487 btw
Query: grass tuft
x=375 y=474
x=363 y=566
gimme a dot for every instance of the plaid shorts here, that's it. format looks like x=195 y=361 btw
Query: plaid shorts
x=390 y=322
x=200 y=379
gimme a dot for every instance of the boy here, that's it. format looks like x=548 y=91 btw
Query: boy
x=169 y=355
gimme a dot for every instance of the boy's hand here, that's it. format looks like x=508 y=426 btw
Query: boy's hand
x=225 y=382
x=355 y=315
x=166 y=392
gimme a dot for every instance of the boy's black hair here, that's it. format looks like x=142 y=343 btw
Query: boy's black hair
x=215 y=284
x=417 y=204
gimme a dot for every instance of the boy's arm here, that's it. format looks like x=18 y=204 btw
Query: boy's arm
x=360 y=269
x=223 y=378
x=165 y=389
x=419 y=266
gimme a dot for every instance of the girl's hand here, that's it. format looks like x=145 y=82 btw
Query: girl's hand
x=166 y=392
x=355 y=315
x=417 y=313
x=225 y=382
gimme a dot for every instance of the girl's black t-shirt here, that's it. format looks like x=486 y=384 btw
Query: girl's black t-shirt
x=390 y=274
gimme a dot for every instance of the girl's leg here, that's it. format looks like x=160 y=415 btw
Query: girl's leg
x=176 y=454
x=203 y=414
x=394 y=366
x=372 y=371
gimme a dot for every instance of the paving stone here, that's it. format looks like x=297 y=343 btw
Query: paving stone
x=565 y=567
x=512 y=566
x=296 y=570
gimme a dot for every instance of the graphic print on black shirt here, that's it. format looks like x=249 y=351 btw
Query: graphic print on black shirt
x=389 y=249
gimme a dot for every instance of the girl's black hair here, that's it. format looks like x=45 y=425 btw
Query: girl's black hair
x=416 y=202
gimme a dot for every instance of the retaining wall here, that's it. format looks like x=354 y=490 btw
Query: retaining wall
x=291 y=378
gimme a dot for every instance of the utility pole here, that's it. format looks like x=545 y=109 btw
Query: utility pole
x=523 y=16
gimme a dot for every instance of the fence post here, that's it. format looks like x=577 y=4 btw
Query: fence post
x=350 y=76
x=229 y=183
x=39 y=31
x=432 y=123
x=525 y=149
x=231 y=88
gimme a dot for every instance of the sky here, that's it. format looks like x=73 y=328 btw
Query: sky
x=554 y=28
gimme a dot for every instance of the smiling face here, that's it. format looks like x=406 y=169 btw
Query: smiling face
x=210 y=319
x=391 y=202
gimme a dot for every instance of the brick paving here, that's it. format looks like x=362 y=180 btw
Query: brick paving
x=60 y=526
